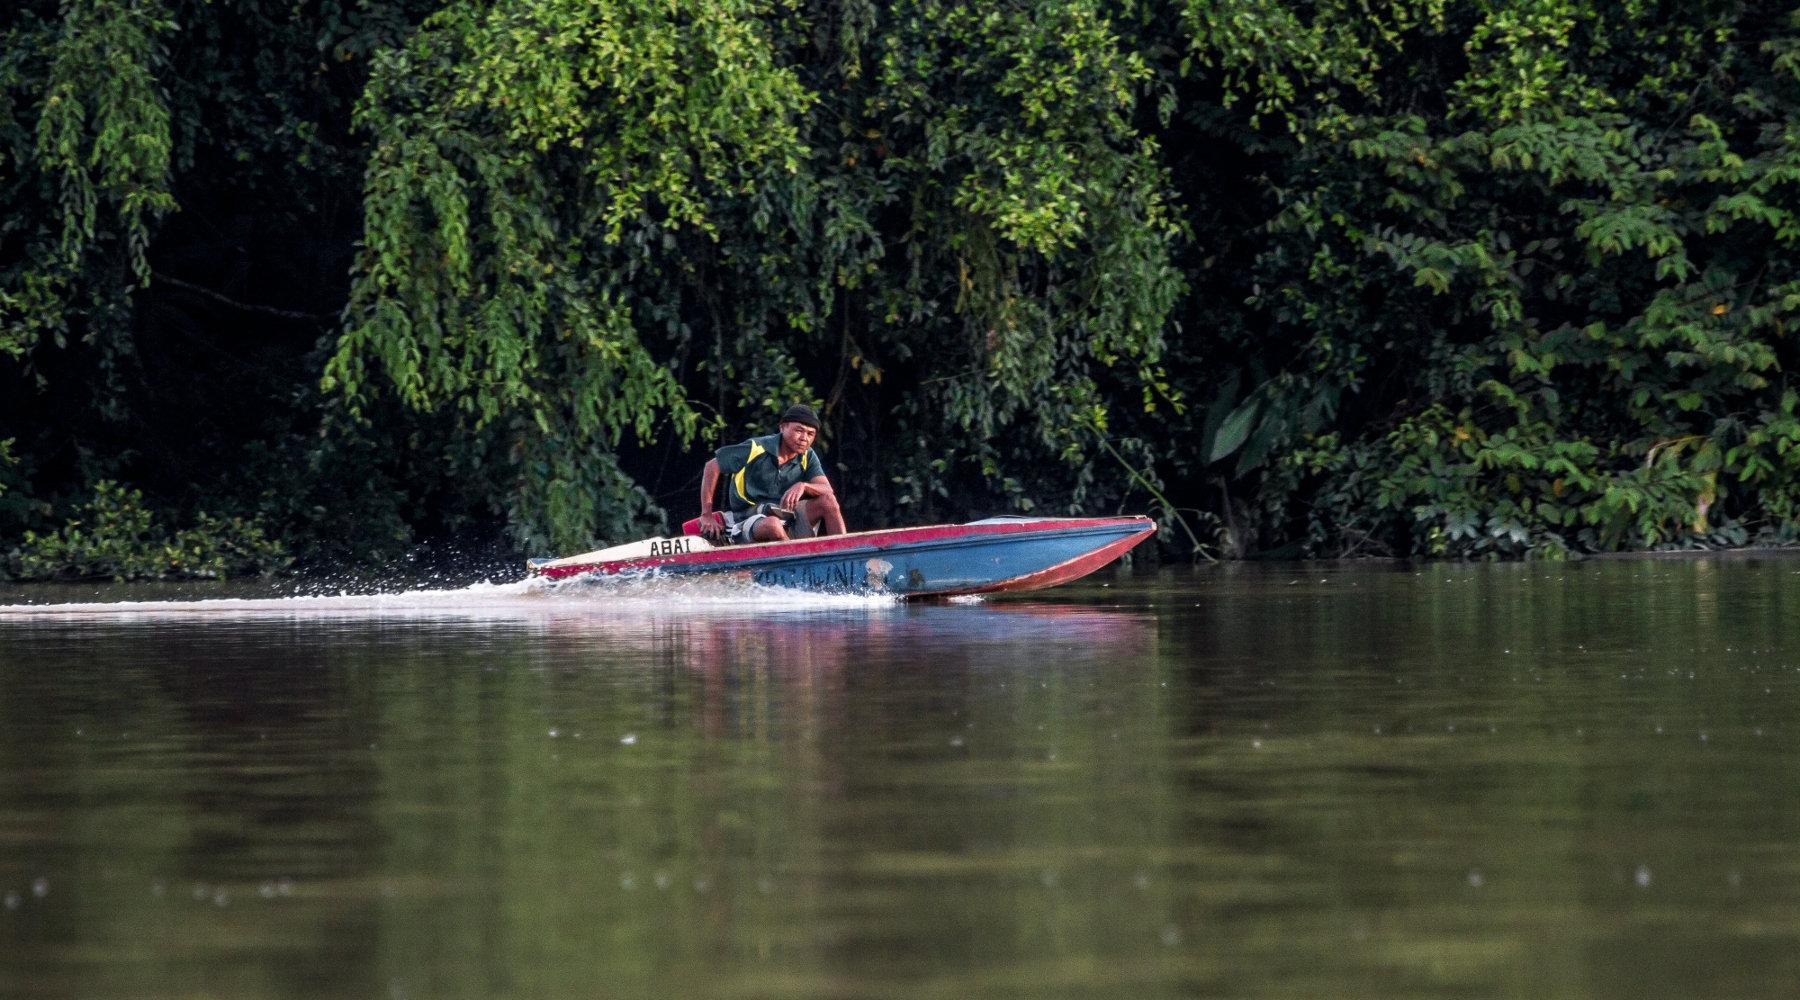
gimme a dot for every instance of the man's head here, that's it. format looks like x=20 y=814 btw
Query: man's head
x=799 y=426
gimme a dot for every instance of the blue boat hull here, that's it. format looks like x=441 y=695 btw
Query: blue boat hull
x=948 y=566
x=984 y=556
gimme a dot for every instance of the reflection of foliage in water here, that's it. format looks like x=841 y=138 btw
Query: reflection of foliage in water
x=1352 y=783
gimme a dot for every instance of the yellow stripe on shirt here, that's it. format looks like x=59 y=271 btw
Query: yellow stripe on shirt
x=738 y=480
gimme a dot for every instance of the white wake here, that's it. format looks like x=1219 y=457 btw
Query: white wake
x=632 y=597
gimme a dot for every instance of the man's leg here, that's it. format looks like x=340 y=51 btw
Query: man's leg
x=821 y=515
x=802 y=526
x=769 y=529
x=737 y=529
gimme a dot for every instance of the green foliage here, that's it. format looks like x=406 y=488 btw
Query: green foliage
x=1300 y=62
x=528 y=156
x=100 y=154
x=1034 y=276
x=1571 y=282
x=548 y=177
x=114 y=535
x=1439 y=278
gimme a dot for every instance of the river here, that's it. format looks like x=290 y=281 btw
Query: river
x=1279 y=781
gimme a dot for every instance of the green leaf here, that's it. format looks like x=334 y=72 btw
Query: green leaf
x=1234 y=430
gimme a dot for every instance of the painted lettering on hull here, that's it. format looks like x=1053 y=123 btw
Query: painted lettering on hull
x=671 y=546
x=845 y=575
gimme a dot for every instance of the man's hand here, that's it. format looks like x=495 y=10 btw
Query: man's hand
x=711 y=527
x=796 y=493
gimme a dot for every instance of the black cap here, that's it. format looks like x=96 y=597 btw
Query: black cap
x=800 y=413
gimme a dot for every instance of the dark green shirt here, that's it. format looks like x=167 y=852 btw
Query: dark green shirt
x=752 y=477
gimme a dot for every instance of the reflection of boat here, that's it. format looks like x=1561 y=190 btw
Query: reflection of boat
x=996 y=554
x=897 y=637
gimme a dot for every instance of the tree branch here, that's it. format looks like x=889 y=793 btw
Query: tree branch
x=224 y=299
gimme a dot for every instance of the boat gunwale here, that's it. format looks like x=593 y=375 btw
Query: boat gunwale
x=857 y=543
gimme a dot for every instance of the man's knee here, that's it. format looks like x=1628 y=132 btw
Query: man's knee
x=770 y=529
x=823 y=502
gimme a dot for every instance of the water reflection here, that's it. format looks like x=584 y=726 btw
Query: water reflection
x=1503 y=781
x=557 y=798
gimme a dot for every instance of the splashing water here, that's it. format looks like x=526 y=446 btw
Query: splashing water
x=621 y=596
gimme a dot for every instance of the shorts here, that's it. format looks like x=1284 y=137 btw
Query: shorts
x=739 y=527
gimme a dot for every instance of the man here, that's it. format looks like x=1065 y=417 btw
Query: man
x=777 y=471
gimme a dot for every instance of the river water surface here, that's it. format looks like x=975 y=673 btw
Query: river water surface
x=1495 y=781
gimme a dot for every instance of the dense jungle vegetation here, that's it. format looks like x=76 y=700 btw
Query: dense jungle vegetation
x=314 y=282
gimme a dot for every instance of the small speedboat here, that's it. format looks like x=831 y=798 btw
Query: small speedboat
x=980 y=557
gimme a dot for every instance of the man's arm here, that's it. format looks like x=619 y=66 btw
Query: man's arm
x=709 y=487
x=818 y=486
